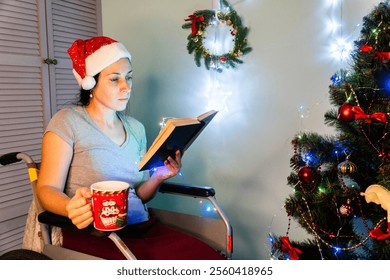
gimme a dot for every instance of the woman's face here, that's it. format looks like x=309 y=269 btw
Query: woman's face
x=114 y=85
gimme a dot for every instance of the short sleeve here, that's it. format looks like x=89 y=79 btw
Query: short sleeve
x=63 y=124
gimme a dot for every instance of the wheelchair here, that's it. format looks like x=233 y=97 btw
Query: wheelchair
x=187 y=208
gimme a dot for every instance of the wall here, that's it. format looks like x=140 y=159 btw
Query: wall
x=244 y=154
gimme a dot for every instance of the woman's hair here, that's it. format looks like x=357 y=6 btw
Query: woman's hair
x=85 y=94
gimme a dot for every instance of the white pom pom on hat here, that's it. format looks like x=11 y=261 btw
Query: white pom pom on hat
x=90 y=57
x=88 y=83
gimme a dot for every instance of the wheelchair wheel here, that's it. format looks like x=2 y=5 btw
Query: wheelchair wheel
x=23 y=254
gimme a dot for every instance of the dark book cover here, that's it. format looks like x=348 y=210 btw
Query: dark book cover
x=179 y=137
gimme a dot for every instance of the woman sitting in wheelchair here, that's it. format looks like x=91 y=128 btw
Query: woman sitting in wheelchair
x=96 y=141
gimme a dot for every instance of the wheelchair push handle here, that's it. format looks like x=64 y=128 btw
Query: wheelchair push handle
x=9 y=158
x=14 y=157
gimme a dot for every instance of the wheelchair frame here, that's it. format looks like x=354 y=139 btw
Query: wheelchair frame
x=217 y=233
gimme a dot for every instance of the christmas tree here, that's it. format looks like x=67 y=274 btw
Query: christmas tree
x=341 y=182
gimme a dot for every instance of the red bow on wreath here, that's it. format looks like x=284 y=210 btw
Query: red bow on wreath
x=359 y=114
x=288 y=248
x=381 y=55
x=195 y=19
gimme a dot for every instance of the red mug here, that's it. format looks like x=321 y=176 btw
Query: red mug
x=109 y=204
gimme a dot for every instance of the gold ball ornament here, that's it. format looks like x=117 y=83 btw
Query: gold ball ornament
x=347 y=167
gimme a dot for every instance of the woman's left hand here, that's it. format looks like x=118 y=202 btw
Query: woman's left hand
x=171 y=167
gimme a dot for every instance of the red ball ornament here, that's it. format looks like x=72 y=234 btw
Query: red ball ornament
x=345 y=113
x=306 y=174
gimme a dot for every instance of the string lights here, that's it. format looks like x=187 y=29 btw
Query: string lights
x=339 y=49
x=341 y=45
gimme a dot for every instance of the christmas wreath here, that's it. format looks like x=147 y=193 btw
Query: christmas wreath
x=199 y=21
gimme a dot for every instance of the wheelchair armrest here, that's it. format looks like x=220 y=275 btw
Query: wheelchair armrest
x=191 y=190
x=52 y=219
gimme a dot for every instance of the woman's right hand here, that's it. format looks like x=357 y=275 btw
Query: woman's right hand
x=79 y=208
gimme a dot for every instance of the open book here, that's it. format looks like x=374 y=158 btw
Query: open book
x=177 y=134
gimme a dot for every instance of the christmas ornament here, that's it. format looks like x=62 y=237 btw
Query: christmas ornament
x=199 y=21
x=346 y=113
x=314 y=228
x=366 y=48
x=347 y=167
x=378 y=234
x=288 y=248
x=378 y=54
x=359 y=114
x=195 y=21
x=346 y=209
x=376 y=143
x=381 y=196
x=306 y=174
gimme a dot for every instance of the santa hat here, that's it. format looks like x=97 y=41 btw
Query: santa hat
x=90 y=57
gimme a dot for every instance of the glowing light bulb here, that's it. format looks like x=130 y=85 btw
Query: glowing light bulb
x=340 y=49
x=333 y=26
x=214 y=21
x=336 y=79
x=333 y=2
x=303 y=112
x=387 y=84
x=321 y=190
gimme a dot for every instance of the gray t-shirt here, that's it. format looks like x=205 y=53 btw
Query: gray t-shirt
x=97 y=158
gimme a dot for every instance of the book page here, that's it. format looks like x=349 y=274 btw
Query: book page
x=183 y=121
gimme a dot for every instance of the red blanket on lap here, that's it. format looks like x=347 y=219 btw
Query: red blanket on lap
x=147 y=241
